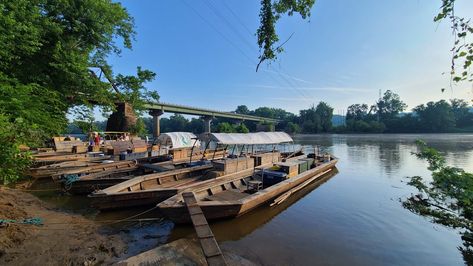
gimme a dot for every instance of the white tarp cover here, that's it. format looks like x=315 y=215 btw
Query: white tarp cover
x=250 y=138
x=176 y=140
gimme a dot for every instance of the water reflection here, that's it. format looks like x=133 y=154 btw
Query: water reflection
x=355 y=218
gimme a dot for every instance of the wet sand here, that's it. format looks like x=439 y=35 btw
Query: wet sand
x=63 y=239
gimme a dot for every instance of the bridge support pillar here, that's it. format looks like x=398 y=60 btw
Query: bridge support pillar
x=207 y=122
x=156 y=114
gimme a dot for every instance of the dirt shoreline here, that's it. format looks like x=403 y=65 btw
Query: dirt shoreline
x=63 y=239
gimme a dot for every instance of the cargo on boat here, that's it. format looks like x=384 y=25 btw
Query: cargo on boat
x=156 y=187
x=235 y=195
x=176 y=149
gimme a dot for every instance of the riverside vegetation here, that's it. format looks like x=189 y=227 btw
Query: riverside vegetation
x=47 y=50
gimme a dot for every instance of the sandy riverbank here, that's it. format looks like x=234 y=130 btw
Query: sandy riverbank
x=63 y=239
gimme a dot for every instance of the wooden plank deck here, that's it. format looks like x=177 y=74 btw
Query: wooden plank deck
x=227 y=195
x=209 y=245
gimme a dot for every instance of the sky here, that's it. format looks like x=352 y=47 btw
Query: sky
x=204 y=53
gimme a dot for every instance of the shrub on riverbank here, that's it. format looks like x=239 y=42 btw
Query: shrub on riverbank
x=447 y=199
x=13 y=161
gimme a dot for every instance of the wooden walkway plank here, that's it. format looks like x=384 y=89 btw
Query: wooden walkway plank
x=209 y=245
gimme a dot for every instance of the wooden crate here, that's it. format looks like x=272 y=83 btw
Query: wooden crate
x=139 y=145
x=119 y=147
x=303 y=165
x=79 y=149
x=233 y=165
x=180 y=153
x=266 y=158
x=290 y=168
x=66 y=146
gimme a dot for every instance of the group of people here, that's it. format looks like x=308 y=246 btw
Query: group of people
x=124 y=137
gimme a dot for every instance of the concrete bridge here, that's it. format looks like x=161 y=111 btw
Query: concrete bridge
x=157 y=109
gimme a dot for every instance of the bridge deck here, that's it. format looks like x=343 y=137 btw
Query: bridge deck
x=180 y=109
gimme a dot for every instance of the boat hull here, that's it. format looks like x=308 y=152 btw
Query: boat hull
x=132 y=199
x=178 y=212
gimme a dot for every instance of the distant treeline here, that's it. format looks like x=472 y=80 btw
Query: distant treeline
x=384 y=116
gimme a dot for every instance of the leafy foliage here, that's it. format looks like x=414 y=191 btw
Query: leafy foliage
x=436 y=116
x=389 y=106
x=225 y=128
x=46 y=51
x=13 y=161
x=270 y=12
x=386 y=116
x=447 y=199
x=131 y=89
x=462 y=50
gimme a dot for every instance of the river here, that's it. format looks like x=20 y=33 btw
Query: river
x=354 y=216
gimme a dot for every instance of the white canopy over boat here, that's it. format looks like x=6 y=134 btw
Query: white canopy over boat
x=250 y=138
x=176 y=140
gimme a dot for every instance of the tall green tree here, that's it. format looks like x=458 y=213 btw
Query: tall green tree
x=325 y=113
x=46 y=50
x=310 y=120
x=461 y=112
x=242 y=109
x=225 y=128
x=357 y=112
x=436 y=116
x=389 y=106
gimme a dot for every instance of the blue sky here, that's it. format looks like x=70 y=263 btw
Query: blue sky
x=205 y=53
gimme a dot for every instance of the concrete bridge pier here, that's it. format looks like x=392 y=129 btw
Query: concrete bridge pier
x=207 y=123
x=156 y=114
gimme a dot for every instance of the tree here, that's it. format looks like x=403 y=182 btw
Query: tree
x=436 y=116
x=131 y=89
x=265 y=112
x=242 y=109
x=46 y=51
x=241 y=128
x=357 y=112
x=86 y=122
x=195 y=126
x=310 y=120
x=292 y=128
x=461 y=111
x=389 y=106
x=176 y=122
x=225 y=128
x=325 y=113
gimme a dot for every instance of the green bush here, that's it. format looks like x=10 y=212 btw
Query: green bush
x=13 y=162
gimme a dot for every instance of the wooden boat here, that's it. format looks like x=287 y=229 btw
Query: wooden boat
x=60 y=170
x=154 y=188
x=147 y=189
x=233 y=196
x=90 y=182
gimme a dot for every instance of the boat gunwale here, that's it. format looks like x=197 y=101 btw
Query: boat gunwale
x=176 y=201
x=139 y=179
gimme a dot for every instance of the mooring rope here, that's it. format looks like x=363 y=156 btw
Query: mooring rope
x=30 y=221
